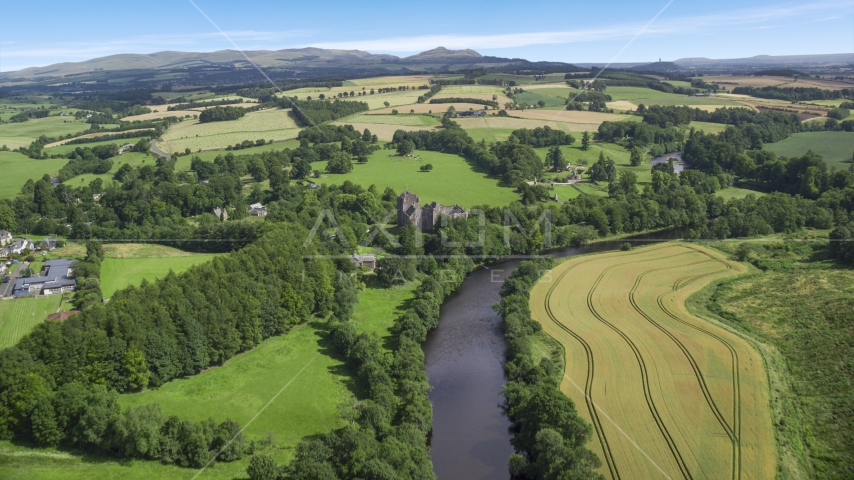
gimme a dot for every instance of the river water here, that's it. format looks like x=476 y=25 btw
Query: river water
x=465 y=367
x=678 y=165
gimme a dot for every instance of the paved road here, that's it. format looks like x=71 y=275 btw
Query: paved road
x=6 y=288
x=156 y=150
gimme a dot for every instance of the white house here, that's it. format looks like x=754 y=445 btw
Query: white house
x=5 y=238
x=21 y=245
x=257 y=210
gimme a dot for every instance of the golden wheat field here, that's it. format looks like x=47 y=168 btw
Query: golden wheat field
x=669 y=394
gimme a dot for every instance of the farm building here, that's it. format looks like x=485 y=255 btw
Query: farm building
x=369 y=261
x=125 y=147
x=57 y=279
x=409 y=210
x=472 y=113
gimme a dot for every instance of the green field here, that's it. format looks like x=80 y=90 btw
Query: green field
x=490 y=135
x=272 y=124
x=615 y=152
x=453 y=179
x=507 y=77
x=472 y=89
x=647 y=96
x=732 y=192
x=836 y=147
x=19 y=316
x=404 y=119
x=18 y=462
x=15 y=135
x=533 y=97
x=378 y=307
x=240 y=388
x=394 y=99
x=708 y=127
x=118 y=273
x=591 y=189
x=16 y=169
x=134 y=159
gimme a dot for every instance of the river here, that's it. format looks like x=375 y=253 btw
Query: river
x=465 y=367
x=678 y=165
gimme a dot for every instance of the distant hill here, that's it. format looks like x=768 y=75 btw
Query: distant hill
x=767 y=60
x=169 y=60
x=657 y=67
x=442 y=54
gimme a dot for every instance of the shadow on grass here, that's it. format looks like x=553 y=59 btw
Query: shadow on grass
x=347 y=373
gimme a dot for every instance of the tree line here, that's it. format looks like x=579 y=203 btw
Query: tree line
x=220 y=114
x=542 y=137
x=477 y=101
x=794 y=94
x=210 y=103
x=314 y=112
x=548 y=434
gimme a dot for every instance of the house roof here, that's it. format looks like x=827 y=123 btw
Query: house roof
x=56 y=276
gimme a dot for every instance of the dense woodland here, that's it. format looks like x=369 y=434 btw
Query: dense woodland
x=220 y=114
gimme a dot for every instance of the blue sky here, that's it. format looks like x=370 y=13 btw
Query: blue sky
x=38 y=33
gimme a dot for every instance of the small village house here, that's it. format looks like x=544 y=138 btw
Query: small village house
x=257 y=210
x=367 y=260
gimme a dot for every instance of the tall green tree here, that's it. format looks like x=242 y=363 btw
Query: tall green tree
x=585 y=141
x=636 y=158
x=556 y=159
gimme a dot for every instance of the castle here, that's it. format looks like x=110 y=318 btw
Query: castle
x=409 y=210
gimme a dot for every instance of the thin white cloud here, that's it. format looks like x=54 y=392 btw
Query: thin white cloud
x=695 y=25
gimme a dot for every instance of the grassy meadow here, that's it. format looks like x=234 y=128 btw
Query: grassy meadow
x=240 y=388
x=272 y=124
x=453 y=179
x=666 y=377
x=837 y=148
x=15 y=135
x=118 y=273
x=379 y=307
x=18 y=317
x=797 y=313
x=647 y=96
x=16 y=169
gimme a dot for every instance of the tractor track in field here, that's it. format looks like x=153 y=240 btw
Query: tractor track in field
x=588 y=386
x=647 y=390
x=732 y=431
x=736 y=381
